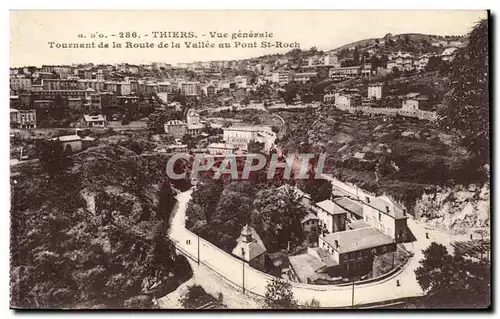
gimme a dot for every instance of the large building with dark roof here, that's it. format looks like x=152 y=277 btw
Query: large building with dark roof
x=353 y=250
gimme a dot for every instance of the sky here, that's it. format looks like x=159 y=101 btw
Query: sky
x=31 y=32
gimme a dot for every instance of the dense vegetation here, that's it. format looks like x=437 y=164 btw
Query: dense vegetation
x=218 y=212
x=197 y=298
x=467 y=105
x=404 y=157
x=91 y=233
x=279 y=295
x=452 y=281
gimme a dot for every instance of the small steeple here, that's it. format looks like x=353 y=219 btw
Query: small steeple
x=246 y=234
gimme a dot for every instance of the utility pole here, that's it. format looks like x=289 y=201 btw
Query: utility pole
x=198 y=249
x=393 y=259
x=243 y=263
x=352 y=298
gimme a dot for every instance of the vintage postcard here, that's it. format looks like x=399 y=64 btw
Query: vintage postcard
x=249 y=160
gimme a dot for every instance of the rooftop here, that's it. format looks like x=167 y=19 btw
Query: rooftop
x=222 y=146
x=91 y=118
x=358 y=224
x=305 y=266
x=309 y=216
x=175 y=122
x=350 y=206
x=196 y=126
x=330 y=207
x=67 y=138
x=382 y=202
x=252 y=128
x=250 y=250
x=357 y=239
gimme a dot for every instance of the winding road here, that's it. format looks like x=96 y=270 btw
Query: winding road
x=231 y=268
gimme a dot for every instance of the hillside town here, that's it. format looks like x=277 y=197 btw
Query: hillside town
x=393 y=189
x=37 y=94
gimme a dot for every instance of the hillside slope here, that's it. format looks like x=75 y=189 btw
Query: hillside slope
x=412 y=37
x=92 y=234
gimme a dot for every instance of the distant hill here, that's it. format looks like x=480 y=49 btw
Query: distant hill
x=413 y=37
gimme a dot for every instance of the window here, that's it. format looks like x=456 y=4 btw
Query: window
x=379 y=216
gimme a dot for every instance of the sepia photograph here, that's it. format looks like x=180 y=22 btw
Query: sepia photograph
x=262 y=160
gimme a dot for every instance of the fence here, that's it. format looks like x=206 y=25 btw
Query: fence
x=254 y=282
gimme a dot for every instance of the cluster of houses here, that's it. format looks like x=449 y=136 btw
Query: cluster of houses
x=352 y=231
x=235 y=137
x=350 y=100
x=402 y=61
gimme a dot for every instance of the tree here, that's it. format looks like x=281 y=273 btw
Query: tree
x=453 y=281
x=157 y=120
x=232 y=213
x=189 y=141
x=313 y=304
x=245 y=101
x=139 y=302
x=396 y=72
x=255 y=147
x=290 y=92
x=356 y=56
x=178 y=97
x=278 y=215
x=203 y=203
x=435 y=64
x=407 y=40
x=318 y=189
x=466 y=106
x=279 y=295
x=53 y=158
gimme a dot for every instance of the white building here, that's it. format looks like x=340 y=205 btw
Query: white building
x=331 y=60
x=448 y=54
x=70 y=143
x=304 y=77
x=194 y=126
x=94 y=120
x=221 y=149
x=345 y=101
x=329 y=98
x=126 y=89
x=20 y=83
x=402 y=61
x=343 y=73
x=410 y=105
x=421 y=62
x=241 y=81
x=332 y=217
x=23 y=118
x=240 y=136
x=251 y=248
x=282 y=77
x=190 y=88
x=175 y=128
x=375 y=91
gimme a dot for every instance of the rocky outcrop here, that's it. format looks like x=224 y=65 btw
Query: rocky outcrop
x=456 y=209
